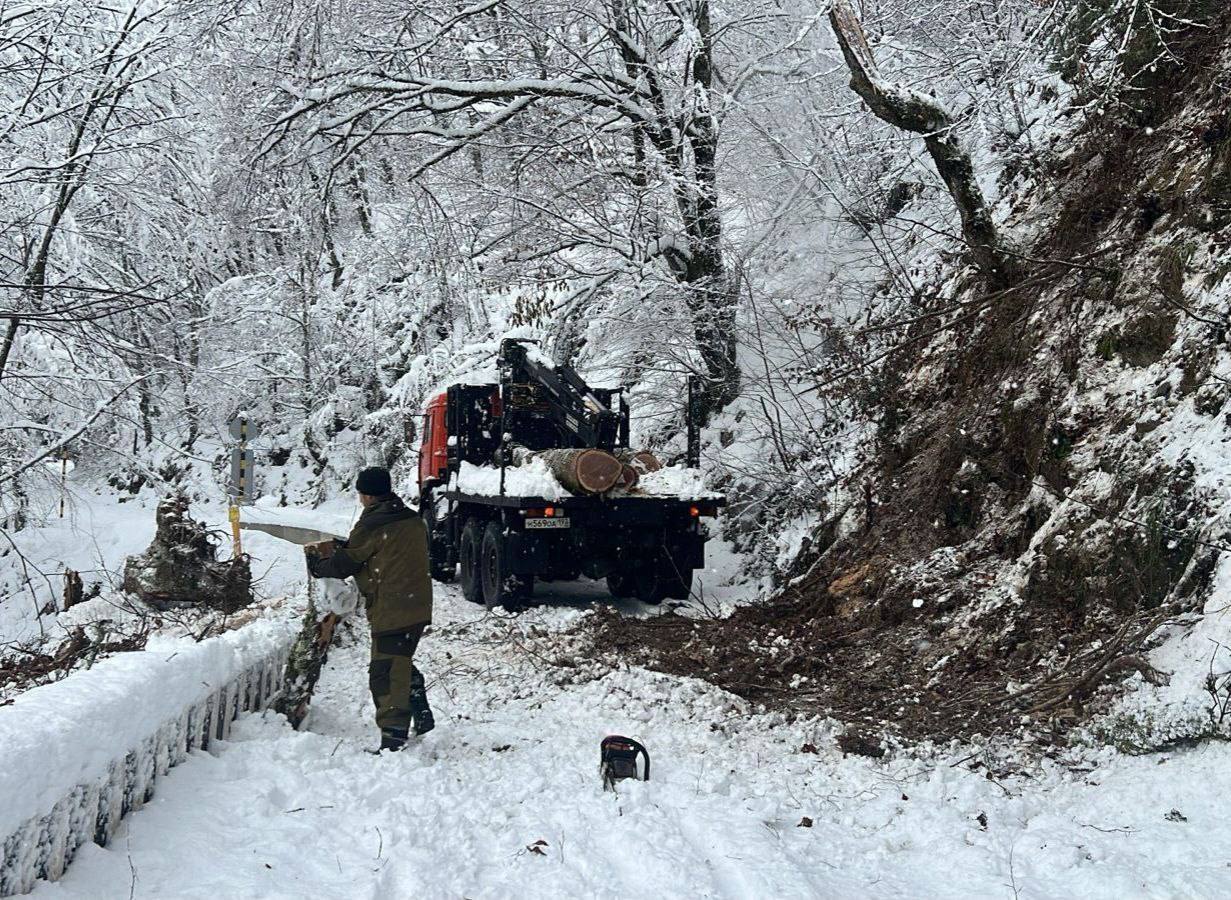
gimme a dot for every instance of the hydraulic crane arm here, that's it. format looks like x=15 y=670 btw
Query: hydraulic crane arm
x=558 y=394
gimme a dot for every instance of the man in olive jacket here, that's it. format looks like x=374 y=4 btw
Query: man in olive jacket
x=386 y=553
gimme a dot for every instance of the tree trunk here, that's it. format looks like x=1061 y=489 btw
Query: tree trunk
x=700 y=267
x=10 y=336
x=912 y=111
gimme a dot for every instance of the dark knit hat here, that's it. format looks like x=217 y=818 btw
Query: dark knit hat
x=374 y=482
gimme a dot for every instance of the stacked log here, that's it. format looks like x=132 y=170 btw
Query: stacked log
x=590 y=471
x=642 y=460
x=584 y=471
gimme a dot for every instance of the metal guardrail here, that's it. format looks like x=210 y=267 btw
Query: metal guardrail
x=45 y=845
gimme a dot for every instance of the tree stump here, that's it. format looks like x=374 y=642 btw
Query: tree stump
x=74 y=590
x=181 y=568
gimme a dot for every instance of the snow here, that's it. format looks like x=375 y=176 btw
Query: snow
x=92 y=539
x=513 y=761
x=533 y=479
x=521 y=708
x=94 y=720
x=676 y=481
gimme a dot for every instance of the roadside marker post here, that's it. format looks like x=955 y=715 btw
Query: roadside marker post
x=243 y=464
x=63 y=478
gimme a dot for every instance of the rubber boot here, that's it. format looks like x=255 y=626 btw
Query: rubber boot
x=392 y=742
x=420 y=712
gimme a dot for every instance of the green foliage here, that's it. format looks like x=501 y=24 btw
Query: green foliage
x=1128 y=48
x=1106 y=346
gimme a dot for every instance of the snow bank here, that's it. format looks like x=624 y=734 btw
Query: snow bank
x=675 y=481
x=533 y=479
x=77 y=755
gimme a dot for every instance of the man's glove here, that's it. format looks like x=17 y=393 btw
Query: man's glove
x=317 y=553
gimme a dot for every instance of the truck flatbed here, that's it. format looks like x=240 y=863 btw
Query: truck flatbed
x=625 y=501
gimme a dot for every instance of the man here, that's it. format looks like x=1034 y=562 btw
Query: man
x=386 y=553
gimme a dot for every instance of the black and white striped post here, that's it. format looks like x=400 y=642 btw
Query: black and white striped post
x=240 y=489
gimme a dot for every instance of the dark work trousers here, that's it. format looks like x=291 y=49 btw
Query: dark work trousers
x=394 y=679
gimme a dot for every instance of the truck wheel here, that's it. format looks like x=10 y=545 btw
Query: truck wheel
x=677 y=582
x=499 y=587
x=620 y=585
x=468 y=555
x=648 y=583
x=441 y=561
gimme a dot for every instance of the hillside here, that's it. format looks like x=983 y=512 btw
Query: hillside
x=1041 y=525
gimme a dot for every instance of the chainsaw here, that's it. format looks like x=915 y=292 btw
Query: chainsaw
x=618 y=760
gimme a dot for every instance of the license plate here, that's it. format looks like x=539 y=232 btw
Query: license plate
x=547 y=523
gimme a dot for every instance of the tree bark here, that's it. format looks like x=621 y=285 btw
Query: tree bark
x=584 y=471
x=912 y=111
x=700 y=267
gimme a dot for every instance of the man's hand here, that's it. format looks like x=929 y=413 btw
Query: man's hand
x=323 y=549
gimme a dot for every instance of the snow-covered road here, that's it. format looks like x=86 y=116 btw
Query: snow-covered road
x=274 y=813
x=513 y=762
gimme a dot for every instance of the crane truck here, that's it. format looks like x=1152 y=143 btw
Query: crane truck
x=645 y=544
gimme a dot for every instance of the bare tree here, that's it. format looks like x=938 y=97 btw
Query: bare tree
x=914 y=111
x=636 y=79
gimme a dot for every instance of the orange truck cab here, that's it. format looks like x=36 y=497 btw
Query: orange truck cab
x=434 y=447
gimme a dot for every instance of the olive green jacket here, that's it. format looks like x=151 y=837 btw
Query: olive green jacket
x=387 y=554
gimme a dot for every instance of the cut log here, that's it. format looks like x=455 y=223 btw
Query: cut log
x=584 y=471
x=642 y=460
x=629 y=477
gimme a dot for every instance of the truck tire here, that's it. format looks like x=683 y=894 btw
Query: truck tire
x=499 y=587
x=620 y=585
x=649 y=585
x=677 y=582
x=441 y=561
x=468 y=553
